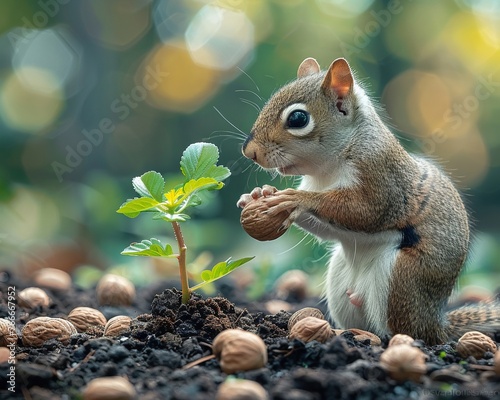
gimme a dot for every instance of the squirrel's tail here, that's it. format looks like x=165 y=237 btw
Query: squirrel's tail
x=483 y=317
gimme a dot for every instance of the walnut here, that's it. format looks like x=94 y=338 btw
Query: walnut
x=241 y=389
x=38 y=330
x=404 y=362
x=496 y=363
x=109 y=388
x=115 y=290
x=311 y=328
x=275 y=306
x=475 y=344
x=293 y=283
x=84 y=318
x=5 y=354
x=117 y=325
x=400 y=338
x=53 y=278
x=32 y=297
x=361 y=335
x=260 y=225
x=303 y=313
x=238 y=350
x=7 y=333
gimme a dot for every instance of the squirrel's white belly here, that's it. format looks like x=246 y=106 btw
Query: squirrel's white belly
x=360 y=266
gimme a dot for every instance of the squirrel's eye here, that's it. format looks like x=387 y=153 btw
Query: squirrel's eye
x=298 y=119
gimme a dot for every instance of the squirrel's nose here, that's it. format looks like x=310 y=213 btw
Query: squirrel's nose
x=247 y=140
x=249 y=148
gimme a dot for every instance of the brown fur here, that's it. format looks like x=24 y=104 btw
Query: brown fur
x=393 y=190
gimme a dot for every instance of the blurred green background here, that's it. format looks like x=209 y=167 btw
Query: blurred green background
x=93 y=93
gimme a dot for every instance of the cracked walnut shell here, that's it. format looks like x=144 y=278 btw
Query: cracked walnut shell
x=361 y=335
x=38 y=330
x=475 y=344
x=259 y=224
x=239 y=350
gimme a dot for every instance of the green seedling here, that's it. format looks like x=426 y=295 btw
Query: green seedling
x=201 y=172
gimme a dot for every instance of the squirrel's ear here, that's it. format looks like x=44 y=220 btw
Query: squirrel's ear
x=338 y=78
x=308 y=67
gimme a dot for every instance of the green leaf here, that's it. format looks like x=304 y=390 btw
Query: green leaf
x=195 y=185
x=152 y=248
x=220 y=270
x=132 y=208
x=199 y=161
x=150 y=184
x=218 y=172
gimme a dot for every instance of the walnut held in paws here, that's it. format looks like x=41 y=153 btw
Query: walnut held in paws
x=259 y=224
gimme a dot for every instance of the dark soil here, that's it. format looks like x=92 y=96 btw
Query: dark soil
x=166 y=336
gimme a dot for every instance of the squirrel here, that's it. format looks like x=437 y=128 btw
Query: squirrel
x=400 y=227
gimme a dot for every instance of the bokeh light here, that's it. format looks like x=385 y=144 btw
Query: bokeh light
x=179 y=83
x=171 y=19
x=464 y=34
x=344 y=8
x=51 y=51
x=29 y=216
x=33 y=103
x=220 y=38
x=428 y=102
x=488 y=15
x=117 y=24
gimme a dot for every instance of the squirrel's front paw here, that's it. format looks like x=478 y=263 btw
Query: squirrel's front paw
x=256 y=193
x=285 y=200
